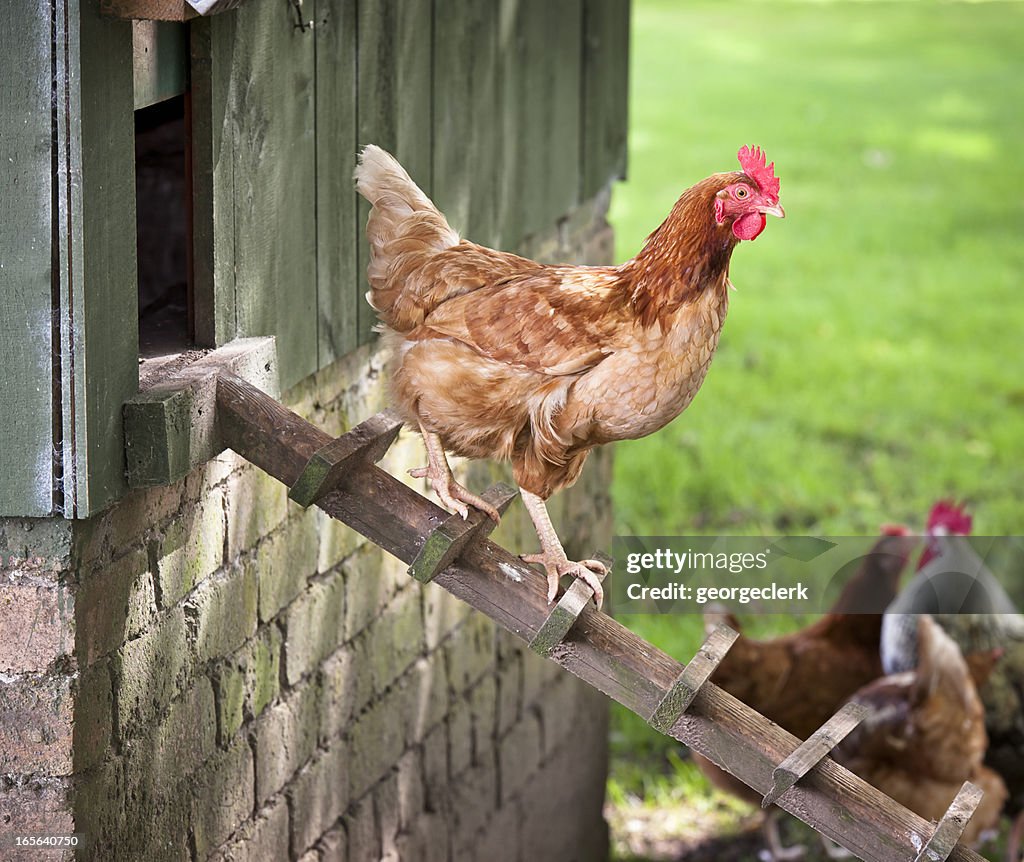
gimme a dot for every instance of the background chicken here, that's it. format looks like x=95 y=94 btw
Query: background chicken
x=496 y=356
x=925 y=735
x=990 y=622
x=801 y=680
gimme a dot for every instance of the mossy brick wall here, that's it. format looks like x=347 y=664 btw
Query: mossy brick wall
x=208 y=671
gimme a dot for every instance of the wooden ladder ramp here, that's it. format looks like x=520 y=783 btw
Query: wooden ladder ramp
x=341 y=477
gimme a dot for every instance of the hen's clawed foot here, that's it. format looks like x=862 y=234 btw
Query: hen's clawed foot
x=453 y=495
x=557 y=564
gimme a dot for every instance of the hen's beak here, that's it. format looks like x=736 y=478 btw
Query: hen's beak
x=776 y=210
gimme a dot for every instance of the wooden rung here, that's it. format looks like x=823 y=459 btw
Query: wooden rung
x=443 y=546
x=951 y=827
x=364 y=444
x=682 y=692
x=811 y=752
x=564 y=614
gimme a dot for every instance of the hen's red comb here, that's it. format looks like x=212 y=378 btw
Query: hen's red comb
x=753 y=163
x=950 y=516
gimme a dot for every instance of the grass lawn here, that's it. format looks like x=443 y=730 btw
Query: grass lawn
x=872 y=358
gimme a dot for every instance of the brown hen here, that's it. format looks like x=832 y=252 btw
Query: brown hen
x=496 y=356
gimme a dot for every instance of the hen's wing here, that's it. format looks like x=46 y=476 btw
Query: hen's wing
x=556 y=320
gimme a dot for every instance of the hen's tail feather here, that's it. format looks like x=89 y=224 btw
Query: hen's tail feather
x=403 y=225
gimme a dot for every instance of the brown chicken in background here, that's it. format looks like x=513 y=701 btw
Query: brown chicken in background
x=800 y=680
x=925 y=734
x=496 y=356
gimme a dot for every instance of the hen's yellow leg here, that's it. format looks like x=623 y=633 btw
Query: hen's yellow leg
x=449 y=492
x=552 y=555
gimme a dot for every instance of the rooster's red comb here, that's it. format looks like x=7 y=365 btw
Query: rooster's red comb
x=950 y=516
x=753 y=163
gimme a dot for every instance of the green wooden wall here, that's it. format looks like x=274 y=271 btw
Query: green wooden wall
x=507 y=112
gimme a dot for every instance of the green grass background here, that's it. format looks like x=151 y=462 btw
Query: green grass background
x=871 y=361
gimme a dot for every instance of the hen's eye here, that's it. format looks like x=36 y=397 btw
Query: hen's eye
x=741 y=192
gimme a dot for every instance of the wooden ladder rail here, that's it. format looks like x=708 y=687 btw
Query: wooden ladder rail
x=597 y=649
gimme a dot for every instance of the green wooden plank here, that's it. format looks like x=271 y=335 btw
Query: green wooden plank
x=605 y=93
x=467 y=139
x=97 y=294
x=26 y=339
x=337 y=229
x=558 y=171
x=394 y=100
x=540 y=48
x=270 y=108
x=213 y=211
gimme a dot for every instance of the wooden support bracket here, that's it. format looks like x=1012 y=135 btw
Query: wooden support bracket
x=443 y=546
x=951 y=827
x=564 y=614
x=811 y=752
x=364 y=444
x=697 y=672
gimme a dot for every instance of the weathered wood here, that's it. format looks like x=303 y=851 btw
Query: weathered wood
x=95 y=289
x=159 y=61
x=337 y=230
x=696 y=673
x=395 y=102
x=466 y=125
x=213 y=190
x=170 y=425
x=597 y=649
x=270 y=107
x=26 y=209
x=605 y=93
x=811 y=752
x=451 y=537
x=946 y=835
x=364 y=444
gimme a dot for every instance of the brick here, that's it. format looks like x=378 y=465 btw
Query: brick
x=229 y=695
x=396 y=639
x=519 y=754
x=222 y=797
x=365 y=590
x=385 y=804
x=482 y=706
x=559 y=707
x=114 y=603
x=37 y=626
x=313 y=626
x=460 y=739
x=429 y=699
x=442 y=614
x=263 y=669
x=264 y=839
x=337 y=541
x=132 y=519
x=334 y=845
x=284 y=562
x=35 y=733
x=180 y=743
x=285 y=738
x=35 y=806
x=409 y=785
x=470 y=652
x=377 y=739
x=510 y=688
x=319 y=796
x=474 y=799
x=363 y=838
x=501 y=839
x=426 y=841
x=338 y=683
x=191 y=549
x=434 y=755
x=257 y=504
x=221 y=612
x=94 y=716
x=147 y=672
